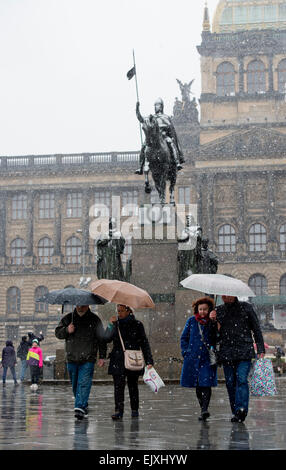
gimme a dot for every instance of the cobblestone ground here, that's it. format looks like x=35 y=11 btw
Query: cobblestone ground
x=168 y=421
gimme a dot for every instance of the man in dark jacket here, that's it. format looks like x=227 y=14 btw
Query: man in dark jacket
x=9 y=360
x=236 y=322
x=83 y=333
x=22 y=352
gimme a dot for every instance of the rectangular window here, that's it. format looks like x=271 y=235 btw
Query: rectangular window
x=184 y=195
x=270 y=13
x=47 y=206
x=240 y=15
x=19 y=206
x=74 y=205
x=129 y=203
x=102 y=204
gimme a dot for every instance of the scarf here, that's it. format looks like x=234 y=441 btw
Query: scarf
x=202 y=321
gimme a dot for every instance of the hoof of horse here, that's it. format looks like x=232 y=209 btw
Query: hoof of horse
x=148 y=189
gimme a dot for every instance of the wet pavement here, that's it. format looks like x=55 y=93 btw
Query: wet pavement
x=44 y=420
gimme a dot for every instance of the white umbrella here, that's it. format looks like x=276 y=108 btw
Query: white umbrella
x=217 y=284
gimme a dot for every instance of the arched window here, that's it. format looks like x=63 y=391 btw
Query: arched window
x=225 y=79
x=45 y=251
x=73 y=250
x=256 y=77
x=258 y=283
x=282 y=237
x=226 y=239
x=257 y=238
x=41 y=307
x=17 y=251
x=13 y=300
x=68 y=307
x=282 y=286
x=281 y=70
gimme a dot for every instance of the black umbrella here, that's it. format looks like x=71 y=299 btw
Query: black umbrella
x=71 y=296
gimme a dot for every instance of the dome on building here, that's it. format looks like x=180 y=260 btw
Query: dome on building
x=241 y=15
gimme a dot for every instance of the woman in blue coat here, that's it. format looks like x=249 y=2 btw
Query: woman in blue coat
x=197 y=372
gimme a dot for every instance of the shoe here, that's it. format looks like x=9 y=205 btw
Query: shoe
x=234 y=419
x=79 y=413
x=34 y=387
x=139 y=172
x=86 y=412
x=117 y=415
x=241 y=415
x=204 y=416
x=179 y=167
x=16 y=383
x=134 y=414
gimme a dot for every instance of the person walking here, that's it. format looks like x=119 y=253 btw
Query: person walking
x=22 y=352
x=134 y=337
x=35 y=362
x=83 y=333
x=9 y=361
x=235 y=323
x=196 y=340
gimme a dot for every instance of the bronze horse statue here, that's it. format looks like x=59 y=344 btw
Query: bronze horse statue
x=161 y=163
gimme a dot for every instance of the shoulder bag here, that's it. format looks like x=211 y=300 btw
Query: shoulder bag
x=212 y=353
x=133 y=359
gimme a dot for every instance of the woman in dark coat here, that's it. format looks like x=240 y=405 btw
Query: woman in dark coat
x=134 y=337
x=197 y=372
x=9 y=360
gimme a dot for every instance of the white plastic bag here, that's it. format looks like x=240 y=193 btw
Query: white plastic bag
x=153 y=379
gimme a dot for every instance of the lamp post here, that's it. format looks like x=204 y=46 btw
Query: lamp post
x=84 y=281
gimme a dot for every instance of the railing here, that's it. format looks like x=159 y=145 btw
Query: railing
x=113 y=158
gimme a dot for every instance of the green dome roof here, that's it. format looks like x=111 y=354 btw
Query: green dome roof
x=239 y=15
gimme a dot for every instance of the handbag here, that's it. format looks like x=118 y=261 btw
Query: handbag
x=212 y=353
x=262 y=381
x=133 y=359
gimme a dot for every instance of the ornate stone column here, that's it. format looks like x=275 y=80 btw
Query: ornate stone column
x=3 y=202
x=241 y=74
x=270 y=73
x=29 y=256
x=210 y=210
x=57 y=257
x=272 y=222
x=85 y=225
x=241 y=240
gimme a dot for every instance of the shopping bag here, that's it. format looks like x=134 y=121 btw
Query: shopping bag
x=262 y=381
x=153 y=379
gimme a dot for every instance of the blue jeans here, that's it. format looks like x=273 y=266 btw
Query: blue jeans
x=81 y=379
x=12 y=369
x=24 y=366
x=236 y=376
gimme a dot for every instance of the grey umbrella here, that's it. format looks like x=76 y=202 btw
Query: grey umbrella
x=217 y=284
x=71 y=296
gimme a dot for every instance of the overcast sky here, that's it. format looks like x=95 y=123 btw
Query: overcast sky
x=63 y=66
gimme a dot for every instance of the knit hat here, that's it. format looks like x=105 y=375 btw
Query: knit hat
x=35 y=341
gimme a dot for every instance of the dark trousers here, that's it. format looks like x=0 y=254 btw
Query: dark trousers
x=119 y=387
x=35 y=374
x=12 y=369
x=204 y=397
x=236 y=378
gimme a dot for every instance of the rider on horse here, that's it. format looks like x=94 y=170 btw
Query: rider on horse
x=168 y=133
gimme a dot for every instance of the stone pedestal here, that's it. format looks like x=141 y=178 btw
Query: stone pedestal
x=155 y=269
